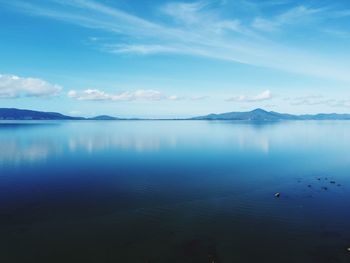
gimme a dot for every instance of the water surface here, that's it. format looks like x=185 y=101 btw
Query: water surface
x=174 y=191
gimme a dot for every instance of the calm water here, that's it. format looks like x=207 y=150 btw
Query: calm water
x=174 y=191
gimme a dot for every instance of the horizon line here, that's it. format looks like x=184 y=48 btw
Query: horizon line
x=163 y=118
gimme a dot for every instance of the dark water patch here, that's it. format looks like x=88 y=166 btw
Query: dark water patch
x=329 y=254
x=175 y=192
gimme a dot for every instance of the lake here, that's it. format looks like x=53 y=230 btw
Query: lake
x=174 y=191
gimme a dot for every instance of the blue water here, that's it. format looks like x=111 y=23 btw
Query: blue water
x=174 y=191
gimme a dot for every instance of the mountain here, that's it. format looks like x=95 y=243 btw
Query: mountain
x=254 y=115
x=104 y=118
x=17 y=114
x=263 y=115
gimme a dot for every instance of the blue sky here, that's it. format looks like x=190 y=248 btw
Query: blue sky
x=175 y=59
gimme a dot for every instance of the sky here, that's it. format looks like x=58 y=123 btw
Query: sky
x=159 y=58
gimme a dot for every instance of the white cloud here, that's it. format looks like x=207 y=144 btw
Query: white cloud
x=174 y=97
x=265 y=95
x=141 y=94
x=198 y=97
x=12 y=86
x=89 y=94
x=97 y=95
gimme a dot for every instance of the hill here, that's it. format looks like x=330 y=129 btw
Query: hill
x=18 y=114
x=263 y=115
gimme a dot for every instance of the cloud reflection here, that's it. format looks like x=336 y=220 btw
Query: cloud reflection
x=33 y=145
x=96 y=142
x=16 y=152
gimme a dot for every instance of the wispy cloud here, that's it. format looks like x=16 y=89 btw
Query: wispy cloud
x=12 y=86
x=141 y=49
x=265 y=95
x=198 y=29
x=200 y=16
x=342 y=13
x=338 y=33
x=314 y=100
x=294 y=16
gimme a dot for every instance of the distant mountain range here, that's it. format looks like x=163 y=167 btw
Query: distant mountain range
x=263 y=115
x=17 y=114
x=254 y=115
